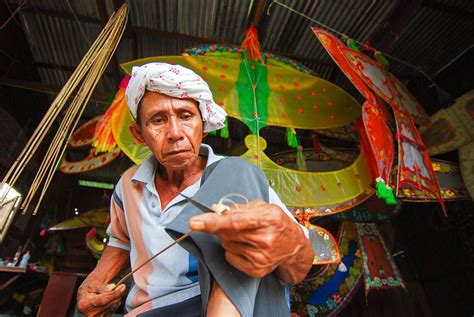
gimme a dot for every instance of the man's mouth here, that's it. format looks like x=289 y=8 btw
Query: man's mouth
x=175 y=152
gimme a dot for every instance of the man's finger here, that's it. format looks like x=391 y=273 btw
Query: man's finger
x=105 y=298
x=232 y=220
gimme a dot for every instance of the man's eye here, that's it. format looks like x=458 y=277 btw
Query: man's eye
x=186 y=116
x=158 y=120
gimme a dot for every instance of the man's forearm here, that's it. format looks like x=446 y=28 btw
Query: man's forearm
x=112 y=261
x=298 y=264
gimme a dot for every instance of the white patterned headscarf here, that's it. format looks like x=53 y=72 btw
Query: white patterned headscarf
x=175 y=81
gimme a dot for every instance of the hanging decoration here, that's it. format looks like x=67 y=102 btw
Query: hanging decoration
x=385 y=85
x=451 y=183
x=380 y=270
x=96 y=241
x=291 y=139
x=383 y=149
x=330 y=291
x=408 y=104
x=90 y=162
x=251 y=45
x=302 y=189
x=332 y=45
x=81 y=83
x=91 y=218
x=352 y=44
x=325 y=247
x=346 y=133
x=103 y=139
x=452 y=127
x=83 y=136
x=415 y=169
x=371 y=73
x=273 y=91
x=300 y=160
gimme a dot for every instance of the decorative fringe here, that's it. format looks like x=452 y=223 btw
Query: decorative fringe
x=300 y=160
x=384 y=191
x=352 y=44
x=224 y=132
x=381 y=59
x=251 y=45
x=103 y=139
x=291 y=138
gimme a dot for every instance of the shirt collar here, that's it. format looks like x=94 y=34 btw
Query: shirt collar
x=146 y=171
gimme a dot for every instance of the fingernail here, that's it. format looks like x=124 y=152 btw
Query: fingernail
x=197 y=225
x=110 y=287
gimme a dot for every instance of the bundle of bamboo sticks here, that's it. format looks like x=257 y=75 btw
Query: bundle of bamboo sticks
x=84 y=79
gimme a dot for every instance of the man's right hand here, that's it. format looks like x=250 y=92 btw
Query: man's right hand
x=96 y=298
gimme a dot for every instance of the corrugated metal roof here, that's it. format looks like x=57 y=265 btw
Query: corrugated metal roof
x=433 y=38
x=430 y=40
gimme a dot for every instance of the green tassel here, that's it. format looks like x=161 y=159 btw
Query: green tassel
x=291 y=138
x=225 y=130
x=381 y=59
x=385 y=192
x=213 y=133
x=380 y=188
x=352 y=44
x=390 y=198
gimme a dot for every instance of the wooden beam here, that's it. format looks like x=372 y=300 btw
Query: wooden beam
x=258 y=12
x=388 y=34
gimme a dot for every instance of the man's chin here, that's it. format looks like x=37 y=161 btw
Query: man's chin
x=178 y=161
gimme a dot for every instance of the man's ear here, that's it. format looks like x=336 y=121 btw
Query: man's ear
x=137 y=133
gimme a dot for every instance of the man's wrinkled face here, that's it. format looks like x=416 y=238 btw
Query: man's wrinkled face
x=172 y=128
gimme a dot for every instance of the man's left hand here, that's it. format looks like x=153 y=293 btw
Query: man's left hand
x=259 y=238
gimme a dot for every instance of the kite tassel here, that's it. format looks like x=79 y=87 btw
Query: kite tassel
x=251 y=44
x=300 y=160
x=384 y=191
x=224 y=132
x=291 y=138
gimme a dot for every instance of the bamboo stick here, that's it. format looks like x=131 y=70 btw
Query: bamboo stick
x=85 y=79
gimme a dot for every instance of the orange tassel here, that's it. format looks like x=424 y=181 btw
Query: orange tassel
x=251 y=44
x=104 y=140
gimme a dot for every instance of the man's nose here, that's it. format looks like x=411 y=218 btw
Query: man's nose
x=175 y=130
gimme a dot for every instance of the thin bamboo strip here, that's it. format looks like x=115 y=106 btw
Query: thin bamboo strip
x=55 y=108
x=61 y=144
x=72 y=116
x=55 y=151
x=96 y=66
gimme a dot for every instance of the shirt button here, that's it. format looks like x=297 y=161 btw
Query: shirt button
x=153 y=205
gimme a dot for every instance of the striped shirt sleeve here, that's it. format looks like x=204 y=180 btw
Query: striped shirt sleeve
x=117 y=229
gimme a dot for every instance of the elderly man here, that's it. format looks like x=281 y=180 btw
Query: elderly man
x=245 y=257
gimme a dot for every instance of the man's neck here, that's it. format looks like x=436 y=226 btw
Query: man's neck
x=171 y=182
